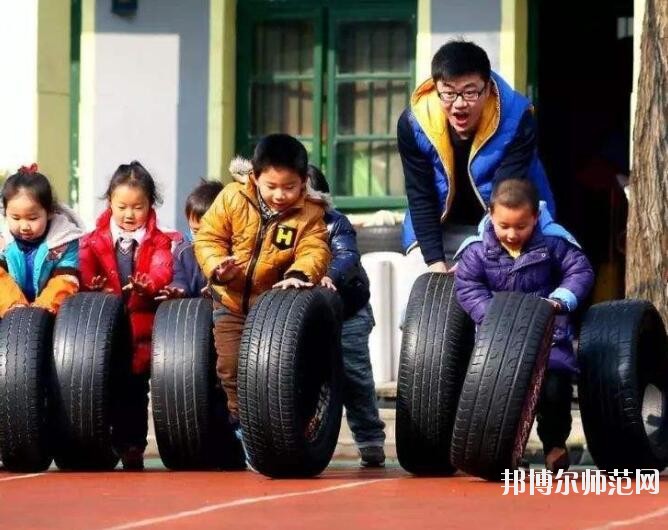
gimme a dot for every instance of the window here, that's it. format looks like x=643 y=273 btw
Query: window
x=336 y=77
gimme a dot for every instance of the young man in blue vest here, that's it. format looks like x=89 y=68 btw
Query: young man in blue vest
x=465 y=129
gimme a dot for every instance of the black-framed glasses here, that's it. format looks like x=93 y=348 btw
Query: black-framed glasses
x=470 y=94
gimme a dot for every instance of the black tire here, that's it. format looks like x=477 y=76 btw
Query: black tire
x=290 y=368
x=379 y=239
x=189 y=412
x=25 y=420
x=623 y=355
x=435 y=349
x=91 y=355
x=498 y=401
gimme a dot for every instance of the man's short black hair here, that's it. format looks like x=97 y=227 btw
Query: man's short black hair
x=201 y=198
x=457 y=58
x=280 y=151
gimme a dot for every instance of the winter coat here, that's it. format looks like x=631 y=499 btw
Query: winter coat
x=153 y=257
x=345 y=269
x=550 y=266
x=55 y=265
x=292 y=245
x=187 y=274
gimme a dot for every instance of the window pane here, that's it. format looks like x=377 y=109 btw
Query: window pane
x=383 y=46
x=284 y=47
x=282 y=107
x=369 y=169
x=370 y=107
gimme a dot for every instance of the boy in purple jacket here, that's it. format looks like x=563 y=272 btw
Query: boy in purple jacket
x=520 y=248
x=188 y=280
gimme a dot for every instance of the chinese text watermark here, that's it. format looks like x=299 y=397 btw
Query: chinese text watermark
x=588 y=482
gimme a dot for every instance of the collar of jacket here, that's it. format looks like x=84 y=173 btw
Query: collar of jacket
x=428 y=111
x=534 y=251
x=249 y=190
x=64 y=227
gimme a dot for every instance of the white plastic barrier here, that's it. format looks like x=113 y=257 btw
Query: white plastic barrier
x=380 y=341
x=391 y=277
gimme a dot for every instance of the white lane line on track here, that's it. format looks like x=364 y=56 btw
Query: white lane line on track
x=19 y=477
x=634 y=520
x=241 y=502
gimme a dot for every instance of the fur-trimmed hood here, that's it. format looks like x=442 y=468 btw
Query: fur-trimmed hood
x=65 y=226
x=241 y=168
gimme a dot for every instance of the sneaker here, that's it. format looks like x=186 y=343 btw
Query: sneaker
x=133 y=459
x=239 y=436
x=372 y=456
x=557 y=458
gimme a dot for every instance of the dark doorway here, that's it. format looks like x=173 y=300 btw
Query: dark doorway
x=580 y=77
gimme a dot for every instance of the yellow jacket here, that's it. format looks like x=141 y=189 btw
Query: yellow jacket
x=294 y=244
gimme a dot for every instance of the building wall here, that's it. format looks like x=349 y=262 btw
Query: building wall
x=34 y=92
x=479 y=21
x=18 y=136
x=222 y=87
x=499 y=26
x=144 y=96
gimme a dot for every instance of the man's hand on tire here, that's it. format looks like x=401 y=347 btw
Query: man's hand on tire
x=439 y=266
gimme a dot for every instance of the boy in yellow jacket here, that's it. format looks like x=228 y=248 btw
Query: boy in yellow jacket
x=267 y=233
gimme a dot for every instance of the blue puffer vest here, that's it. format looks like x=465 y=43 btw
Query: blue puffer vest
x=497 y=129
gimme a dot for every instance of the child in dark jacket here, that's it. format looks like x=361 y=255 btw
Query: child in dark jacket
x=189 y=280
x=520 y=248
x=128 y=255
x=347 y=276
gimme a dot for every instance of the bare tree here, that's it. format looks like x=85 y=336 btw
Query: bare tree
x=647 y=239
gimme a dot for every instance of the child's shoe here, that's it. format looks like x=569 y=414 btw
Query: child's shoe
x=133 y=459
x=239 y=436
x=372 y=456
x=557 y=458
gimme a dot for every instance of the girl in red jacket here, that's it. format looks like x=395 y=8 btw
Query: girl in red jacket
x=129 y=256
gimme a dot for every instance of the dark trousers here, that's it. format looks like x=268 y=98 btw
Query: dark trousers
x=554 y=409
x=130 y=416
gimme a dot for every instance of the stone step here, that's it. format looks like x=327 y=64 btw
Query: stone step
x=346 y=449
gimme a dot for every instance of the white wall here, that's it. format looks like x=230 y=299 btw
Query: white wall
x=18 y=88
x=144 y=97
x=479 y=21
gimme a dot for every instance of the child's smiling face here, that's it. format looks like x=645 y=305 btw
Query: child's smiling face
x=279 y=187
x=513 y=226
x=129 y=207
x=27 y=219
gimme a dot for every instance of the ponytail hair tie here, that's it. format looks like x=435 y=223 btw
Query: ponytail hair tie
x=28 y=170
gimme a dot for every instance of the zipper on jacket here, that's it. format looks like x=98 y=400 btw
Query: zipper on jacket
x=264 y=226
x=473 y=153
x=259 y=238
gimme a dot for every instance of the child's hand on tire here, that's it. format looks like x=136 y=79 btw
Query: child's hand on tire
x=294 y=283
x=328 y=283
x=170 y=293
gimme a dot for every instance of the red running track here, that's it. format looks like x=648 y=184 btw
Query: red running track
x=344 y=497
